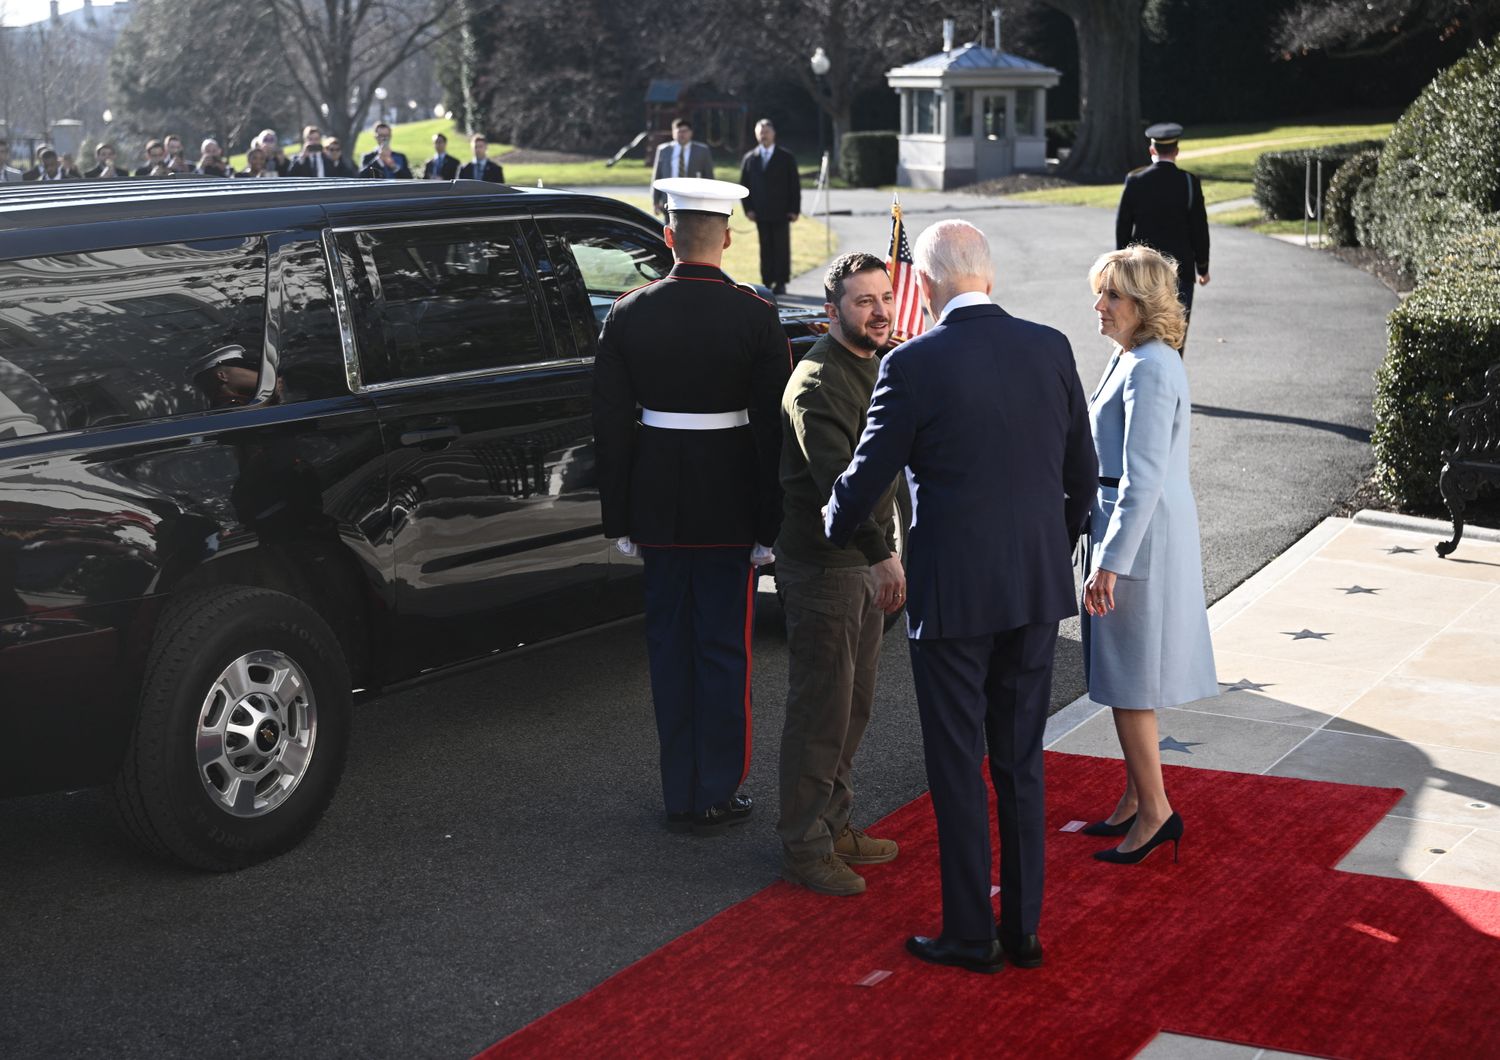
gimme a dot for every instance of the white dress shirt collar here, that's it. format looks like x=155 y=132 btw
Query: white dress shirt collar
x=963 y=301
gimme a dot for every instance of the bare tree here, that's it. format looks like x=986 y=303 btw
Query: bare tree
x=861 y=38
x=1355 y=28
x=342 y=49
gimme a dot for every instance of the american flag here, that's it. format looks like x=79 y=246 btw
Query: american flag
x=909 y=320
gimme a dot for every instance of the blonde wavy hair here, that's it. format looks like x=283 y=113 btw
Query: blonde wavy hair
x=1149 y=279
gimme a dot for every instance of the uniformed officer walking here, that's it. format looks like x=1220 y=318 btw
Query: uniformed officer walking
x=1162 y=206
x=687 y=394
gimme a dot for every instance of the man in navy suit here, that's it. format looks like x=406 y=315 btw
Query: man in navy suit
x=988 y=414
x=442 y=165
x=482 y=168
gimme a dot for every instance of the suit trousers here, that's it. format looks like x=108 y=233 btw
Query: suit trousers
x=775 y=251
x=833 y=634
x=1187 y=279
x=700 y=612
x=978 y=694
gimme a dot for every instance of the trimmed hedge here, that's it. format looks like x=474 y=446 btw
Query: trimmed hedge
x=1440 y=170
x=1442 y=338
x=1338 y=205
x=868 y=159
x=1281 y=176
x=1060 y=135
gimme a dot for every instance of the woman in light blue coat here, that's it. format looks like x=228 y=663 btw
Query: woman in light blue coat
x=1145 y=627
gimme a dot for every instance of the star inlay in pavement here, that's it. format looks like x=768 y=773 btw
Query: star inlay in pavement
x=1397 y=550
x=1244 y=684
x=1305 y=634
x=1171 y=743
x=1352 y=590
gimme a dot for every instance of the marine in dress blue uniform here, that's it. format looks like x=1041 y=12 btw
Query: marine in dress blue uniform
x=687 y=394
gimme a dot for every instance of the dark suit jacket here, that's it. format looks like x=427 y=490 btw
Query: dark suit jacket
x=491 y=171
x=1162 y=207
x=98 y=172
x=35 y=173
x=692 y=342
x=302 y=165
x=775 y=189
x=989 y=414
x=375 y=169
x=341 y=168
x=449 y=171
x=371 y=156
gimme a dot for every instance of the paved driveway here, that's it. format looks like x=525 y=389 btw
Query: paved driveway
x=495 y=848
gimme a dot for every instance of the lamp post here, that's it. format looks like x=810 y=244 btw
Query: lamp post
x=820 y=66
x=380 y=97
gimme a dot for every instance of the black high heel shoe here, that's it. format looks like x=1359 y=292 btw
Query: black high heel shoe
x=1170 y=831
x=1105 y=828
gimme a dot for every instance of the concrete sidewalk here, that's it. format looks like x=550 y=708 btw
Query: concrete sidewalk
x=1359 y=657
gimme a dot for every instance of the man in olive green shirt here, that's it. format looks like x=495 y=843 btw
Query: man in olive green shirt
x=835 y=598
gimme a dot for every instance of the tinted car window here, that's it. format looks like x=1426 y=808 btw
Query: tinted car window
x=311 y=358
x=612 y=257
x=438 y=301
x=115 y=336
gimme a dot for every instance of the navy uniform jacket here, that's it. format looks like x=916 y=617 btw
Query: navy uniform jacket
x=690 y=342
x=1162 y=207
x=990 y=416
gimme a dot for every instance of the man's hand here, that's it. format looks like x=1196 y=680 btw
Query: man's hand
x=890 y=585
x=760 y=555
x=628 y=547
x=792 y=217
x=1099 y=593
x=1203 y=279
x=749 y=215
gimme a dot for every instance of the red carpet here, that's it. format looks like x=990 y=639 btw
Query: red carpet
x=1252 y=938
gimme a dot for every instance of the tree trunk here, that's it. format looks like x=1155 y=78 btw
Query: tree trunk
x=469 y=62
x=1109 y=142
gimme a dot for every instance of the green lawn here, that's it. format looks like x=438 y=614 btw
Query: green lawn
x=742 y=259
x=1224 y=156
x=1214 y=191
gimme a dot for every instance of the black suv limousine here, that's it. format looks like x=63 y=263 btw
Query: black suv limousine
x=264 y=445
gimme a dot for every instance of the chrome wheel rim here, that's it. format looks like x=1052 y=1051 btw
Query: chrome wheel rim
x=256 y=732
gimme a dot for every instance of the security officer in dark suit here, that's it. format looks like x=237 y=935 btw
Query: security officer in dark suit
x=774 y=203
x=1162 y=207
x=687 y=391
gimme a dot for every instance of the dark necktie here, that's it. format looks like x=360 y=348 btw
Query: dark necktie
x=682 y=160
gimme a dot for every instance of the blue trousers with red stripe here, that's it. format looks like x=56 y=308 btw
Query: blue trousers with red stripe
x=700 y=607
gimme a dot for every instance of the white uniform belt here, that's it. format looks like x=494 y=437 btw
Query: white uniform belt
x=695 y=421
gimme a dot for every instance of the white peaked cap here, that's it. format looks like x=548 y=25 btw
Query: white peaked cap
x=699 y=193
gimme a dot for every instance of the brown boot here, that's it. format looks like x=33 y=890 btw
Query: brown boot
x=826 y=875
x=857 y=848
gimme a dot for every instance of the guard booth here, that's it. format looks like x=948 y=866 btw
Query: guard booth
x=719 y=119
x=969 y=114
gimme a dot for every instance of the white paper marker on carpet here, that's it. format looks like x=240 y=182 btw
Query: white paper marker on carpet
x=874 y=977
x=1073 y=826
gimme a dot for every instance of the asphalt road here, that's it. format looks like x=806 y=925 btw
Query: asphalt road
x=496 y=847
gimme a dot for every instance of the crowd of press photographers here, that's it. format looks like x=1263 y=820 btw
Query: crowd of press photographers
x=265 y=159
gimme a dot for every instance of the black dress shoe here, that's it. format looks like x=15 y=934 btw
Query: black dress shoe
x=1024 y=951
x=983 y=956
x=716 y=820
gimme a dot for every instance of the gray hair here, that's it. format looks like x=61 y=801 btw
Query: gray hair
x=953 y=250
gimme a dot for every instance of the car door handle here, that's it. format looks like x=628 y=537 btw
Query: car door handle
x=426 y=436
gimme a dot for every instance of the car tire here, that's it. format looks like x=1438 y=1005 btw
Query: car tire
x=242 y=731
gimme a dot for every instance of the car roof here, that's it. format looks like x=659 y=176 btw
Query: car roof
x=85 y=202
